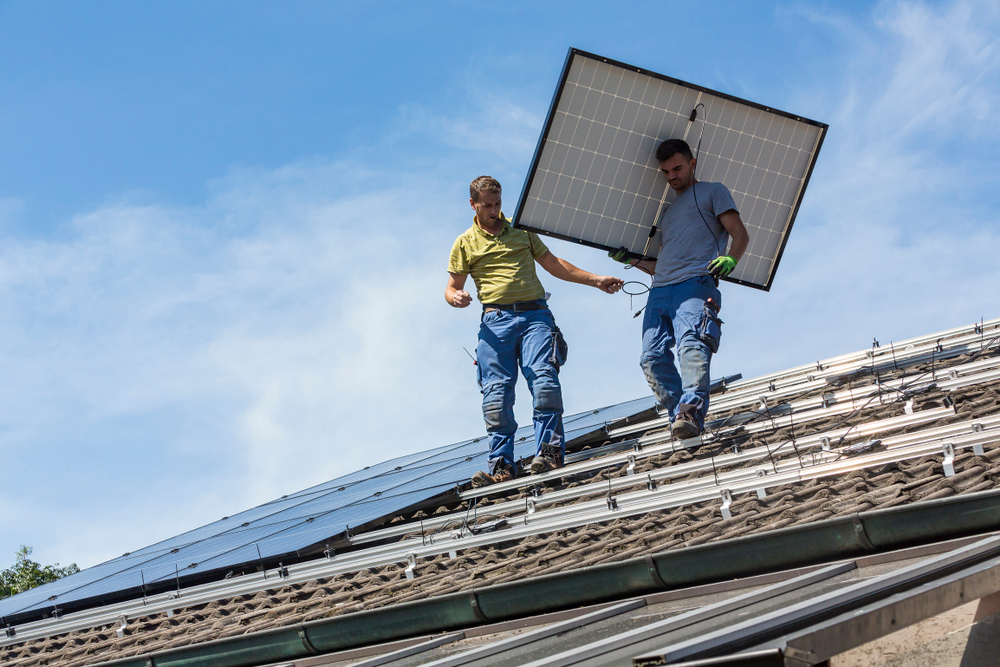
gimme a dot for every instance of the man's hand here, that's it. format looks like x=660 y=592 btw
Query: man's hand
x=461 y=299
x=608 y=284
x=455 y=293
x=620 y=255
x=720 y=267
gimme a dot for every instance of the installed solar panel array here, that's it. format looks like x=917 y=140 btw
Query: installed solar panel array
x=595 y=179
x=297 y=523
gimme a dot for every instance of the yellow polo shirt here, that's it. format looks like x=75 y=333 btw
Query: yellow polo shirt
x=502 y=265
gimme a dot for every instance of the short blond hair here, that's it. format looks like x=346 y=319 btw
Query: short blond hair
x=481 y=185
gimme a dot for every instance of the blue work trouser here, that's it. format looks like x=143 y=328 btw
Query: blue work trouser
x=681 y=316
x=508 y=340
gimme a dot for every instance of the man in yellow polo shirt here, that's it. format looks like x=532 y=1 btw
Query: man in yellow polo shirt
x=517 y=328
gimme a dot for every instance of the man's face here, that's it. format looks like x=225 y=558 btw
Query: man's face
x=679 y=172
x=487 y=208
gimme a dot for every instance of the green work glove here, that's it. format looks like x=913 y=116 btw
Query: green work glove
x=720 y=267
x=620 y=255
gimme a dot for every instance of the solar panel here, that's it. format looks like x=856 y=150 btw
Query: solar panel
x=295 y=525
x=595 y=179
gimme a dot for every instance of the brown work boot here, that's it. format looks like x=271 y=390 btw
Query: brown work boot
x=501 y=473
x=550 y=458
x=684 y=427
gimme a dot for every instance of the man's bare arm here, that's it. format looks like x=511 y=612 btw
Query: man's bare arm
x=737 y=230
x=454 y=293
x=563 y=270
x=645 y=265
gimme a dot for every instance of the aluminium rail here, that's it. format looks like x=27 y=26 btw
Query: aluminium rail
x=966 y=337
x=260 y=581
x=837 y=403
x=407 y=551
x=815 y=376
x=740 y=395
x=752 y=389
x=665 y=474
x=655 y=447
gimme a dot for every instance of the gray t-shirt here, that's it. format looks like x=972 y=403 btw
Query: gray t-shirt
x=687 y=245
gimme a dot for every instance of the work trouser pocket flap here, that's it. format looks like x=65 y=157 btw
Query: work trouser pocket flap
x=710 y=330
x=560 y=350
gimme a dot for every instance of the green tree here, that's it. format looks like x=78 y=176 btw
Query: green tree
x=26 y=573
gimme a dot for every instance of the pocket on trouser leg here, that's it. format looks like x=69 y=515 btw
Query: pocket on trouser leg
x=710 y=330
x=560 y=350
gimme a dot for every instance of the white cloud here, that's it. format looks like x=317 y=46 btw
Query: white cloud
x=168 y=366
x=288 y=331
x=897 y=228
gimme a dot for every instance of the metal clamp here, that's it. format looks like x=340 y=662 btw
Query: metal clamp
x=727 y=500
x=411 y=559
x=949 y=459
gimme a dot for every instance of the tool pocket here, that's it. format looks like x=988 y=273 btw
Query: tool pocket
x=710 y=331
x=559 y=348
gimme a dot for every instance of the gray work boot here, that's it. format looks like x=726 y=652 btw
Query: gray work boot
x=550 y=458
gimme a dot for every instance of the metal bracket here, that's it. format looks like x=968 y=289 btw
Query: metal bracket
x=654 y=574
x=170 y=613
x=631 y=465
x=727 y=500
x=798 y=655
x=949 y=459
x=120 y=631
x=824 y=442
x=474 y=605
x=762 y=491
x=612 y=503
x=908 y=407
x=411 y=559
x=650 y=483
x=10 y=631
x=453 y=554
x=531 y=506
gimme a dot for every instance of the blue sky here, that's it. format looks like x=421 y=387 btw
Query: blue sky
x=224 y=227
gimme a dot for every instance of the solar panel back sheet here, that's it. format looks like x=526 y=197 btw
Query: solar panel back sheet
x=595 y=179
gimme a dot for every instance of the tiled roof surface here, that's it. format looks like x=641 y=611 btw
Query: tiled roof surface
x=885 y=485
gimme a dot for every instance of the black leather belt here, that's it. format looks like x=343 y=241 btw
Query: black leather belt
x=517 y=306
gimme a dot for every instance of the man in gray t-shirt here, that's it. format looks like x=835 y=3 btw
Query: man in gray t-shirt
x=682 y=310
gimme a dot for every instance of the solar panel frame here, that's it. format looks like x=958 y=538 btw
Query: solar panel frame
x=768 y=240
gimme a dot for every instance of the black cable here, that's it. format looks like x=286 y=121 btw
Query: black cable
x=694 y=191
